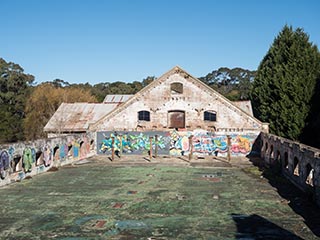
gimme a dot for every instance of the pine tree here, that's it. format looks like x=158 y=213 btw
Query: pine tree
x=285 y=83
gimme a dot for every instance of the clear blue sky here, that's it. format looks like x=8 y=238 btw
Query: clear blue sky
x=127 y=40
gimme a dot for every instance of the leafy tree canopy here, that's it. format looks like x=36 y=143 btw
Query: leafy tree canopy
x=14 y=88
x=44 y=101
x=233 y=83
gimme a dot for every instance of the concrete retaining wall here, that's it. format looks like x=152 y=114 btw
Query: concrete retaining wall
x=299 y=163
x=19 y=160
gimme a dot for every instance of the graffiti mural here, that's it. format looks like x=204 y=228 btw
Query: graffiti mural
x=27 y=159
x=208 y=143
x=176 y=143
x=62 y=152
x=132 y=142
x=242 y=144
x=203 y=142
x=179 y=143
x=19 y=160
x=75 y=149
x=4 y=163
x=47 y=155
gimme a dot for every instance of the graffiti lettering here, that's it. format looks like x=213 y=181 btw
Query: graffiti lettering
x=175 y=143
x=129 y=142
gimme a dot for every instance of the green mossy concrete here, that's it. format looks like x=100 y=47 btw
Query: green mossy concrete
x=97 y=201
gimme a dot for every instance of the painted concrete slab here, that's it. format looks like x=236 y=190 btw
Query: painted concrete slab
x=99 y=200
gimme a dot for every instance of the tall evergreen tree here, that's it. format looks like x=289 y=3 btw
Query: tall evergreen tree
x=14 y=88
x=285 y=83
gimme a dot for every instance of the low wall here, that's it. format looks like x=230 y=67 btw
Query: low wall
x=299 y=163
x=177 y=142
x=19 y=160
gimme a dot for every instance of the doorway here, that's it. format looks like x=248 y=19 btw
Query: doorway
x=176 y=119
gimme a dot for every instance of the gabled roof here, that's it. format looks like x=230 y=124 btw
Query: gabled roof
x=76 y=117
x=163 y=78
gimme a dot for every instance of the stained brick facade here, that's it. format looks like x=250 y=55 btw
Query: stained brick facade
x=178 y=100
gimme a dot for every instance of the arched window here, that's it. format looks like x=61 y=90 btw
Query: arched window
x=176 y=88
x=309 y=175
x=144 y=116
x=210 y=116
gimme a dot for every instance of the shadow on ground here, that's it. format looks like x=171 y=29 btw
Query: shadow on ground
x=257 y=227
x=297 y=200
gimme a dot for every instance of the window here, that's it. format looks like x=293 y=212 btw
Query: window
x=210 y=116
x=176 y=88
x=144 y=116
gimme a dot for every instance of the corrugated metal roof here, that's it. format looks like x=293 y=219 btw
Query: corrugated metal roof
x=77 y=116
x=245 y=106
x=117 y=98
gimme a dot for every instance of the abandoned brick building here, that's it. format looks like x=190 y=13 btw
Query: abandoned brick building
x=176 y=100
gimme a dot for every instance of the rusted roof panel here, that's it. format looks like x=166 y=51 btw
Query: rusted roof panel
x=77 y=116
x=117 y=98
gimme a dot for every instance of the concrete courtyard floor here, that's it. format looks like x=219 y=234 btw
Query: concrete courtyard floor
x=167 y=198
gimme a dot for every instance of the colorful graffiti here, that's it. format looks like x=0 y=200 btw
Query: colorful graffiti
x=179 y=143
x=28 y=159
x=208 y=143
x=63 y=151
x=176 y=143
x=75 y=149
x=241 y=144
x=130 y=142
x=19 y=160
x=47 y=155
x=4 y=163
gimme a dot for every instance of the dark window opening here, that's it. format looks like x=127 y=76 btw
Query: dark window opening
x=56 y=153
x=144 y=116
x=70 y=150
x=286 y=160
x=39 y=158
x=210 y=116
x=176 y=88
x=271 y=153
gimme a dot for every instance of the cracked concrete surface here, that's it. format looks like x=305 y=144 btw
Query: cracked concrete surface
x=167 y=198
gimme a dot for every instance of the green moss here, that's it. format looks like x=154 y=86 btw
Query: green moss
x=166 y=202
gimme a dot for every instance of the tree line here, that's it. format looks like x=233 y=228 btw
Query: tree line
x=285 y=92
x=27 y=108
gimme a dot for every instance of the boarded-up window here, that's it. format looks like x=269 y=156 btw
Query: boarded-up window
x=176 y=119
x=176 y=88
x=144 y=116
x=210 y=116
